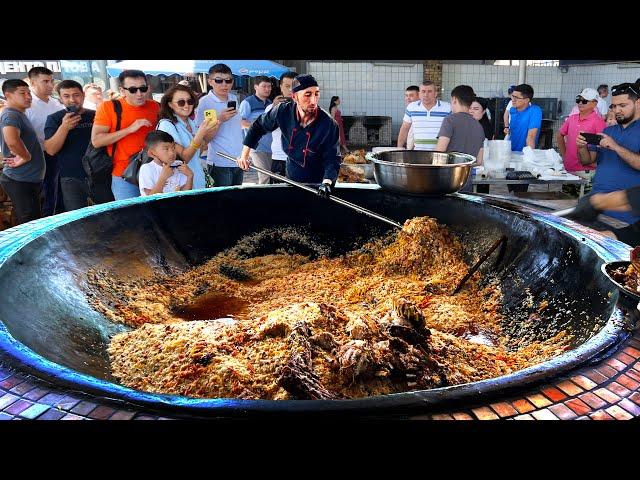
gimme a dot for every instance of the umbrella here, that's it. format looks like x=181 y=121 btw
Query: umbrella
x=251 y=68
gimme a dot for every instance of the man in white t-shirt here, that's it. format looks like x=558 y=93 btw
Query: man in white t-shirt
x=411 y=94
x=43 y=105
x=163 y=174
x=603 y=100
x=425 y=116
x=278 y=155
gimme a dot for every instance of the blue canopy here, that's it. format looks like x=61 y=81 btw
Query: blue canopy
x=180 y=67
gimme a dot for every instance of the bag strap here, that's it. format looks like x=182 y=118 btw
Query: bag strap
x=117 y=106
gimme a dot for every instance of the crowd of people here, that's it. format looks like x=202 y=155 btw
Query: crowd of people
x=45 y=139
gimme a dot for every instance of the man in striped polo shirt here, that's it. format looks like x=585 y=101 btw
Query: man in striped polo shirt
x=425 y=116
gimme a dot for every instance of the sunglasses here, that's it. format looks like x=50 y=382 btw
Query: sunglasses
x=135 y=89
x=624 y=88
x=182 y=102
x=582 y=101
x=228 y=81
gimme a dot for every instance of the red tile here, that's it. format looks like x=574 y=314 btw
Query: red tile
x=635 y=396
x=522 y=405
x=562 y=412
x=618 y=413
x=626 y=359
x=554 y=394
x=634 y=352
x=18 y=407
x=569 y=388
x=595 y=376
x=525 y=416
x=503 y=409
x=22 y=388
x=631 y=373
x=628 y=382
x=618 y=389
x=606 y=395
x=83 y=408
x=607 y=371
x=127 y=415
x=544 y=414
x=102 y=413
x=617 y=364
x=601 y=415
x=439 y=416
x=9 y=383
x=592 y=400
x=539 y=400
x=584 y=382
x=578 y=406
x=484 y=413
x=462 y=416
x=630 y=407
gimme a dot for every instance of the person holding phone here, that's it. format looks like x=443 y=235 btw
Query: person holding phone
x=617 y=156
x=310 y=137
x=67 y=134
x=229 y=137
x=586 y=120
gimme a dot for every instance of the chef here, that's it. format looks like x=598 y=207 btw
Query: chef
x=310 y=137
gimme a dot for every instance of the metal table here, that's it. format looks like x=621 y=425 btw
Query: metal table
x=503 y=181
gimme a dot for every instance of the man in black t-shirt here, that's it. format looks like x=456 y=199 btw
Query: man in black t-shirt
x=67 y=134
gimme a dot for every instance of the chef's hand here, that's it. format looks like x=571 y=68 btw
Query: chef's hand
x=324 y=190
x=243 y=163
x=584 y=211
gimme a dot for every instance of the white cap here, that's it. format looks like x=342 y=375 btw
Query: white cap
x=589 y=94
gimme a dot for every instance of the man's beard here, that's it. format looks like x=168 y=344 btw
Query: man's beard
x=626 y=120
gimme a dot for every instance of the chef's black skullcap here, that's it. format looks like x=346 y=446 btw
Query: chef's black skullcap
x=303 y=81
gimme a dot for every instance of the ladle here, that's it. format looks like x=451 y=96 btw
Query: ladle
x=315 y=191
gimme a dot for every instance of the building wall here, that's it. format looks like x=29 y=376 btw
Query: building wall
x=377 y=88
x=372 y=88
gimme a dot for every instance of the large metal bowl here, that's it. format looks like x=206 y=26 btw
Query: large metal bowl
x=420 y=172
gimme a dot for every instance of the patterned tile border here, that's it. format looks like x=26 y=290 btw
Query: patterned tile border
x=609 y=390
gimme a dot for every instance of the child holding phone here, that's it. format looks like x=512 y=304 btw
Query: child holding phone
x=163 y=174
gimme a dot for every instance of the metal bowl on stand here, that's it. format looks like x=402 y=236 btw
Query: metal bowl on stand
x=421 y=172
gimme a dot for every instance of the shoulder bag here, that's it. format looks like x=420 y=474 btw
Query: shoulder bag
x=97 y=162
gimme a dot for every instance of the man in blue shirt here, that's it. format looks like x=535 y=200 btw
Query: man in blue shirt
x=618 y=153
x=525 y=119
x=250 y=109
x=310 y=137
x=67 y=134
x=228 y=138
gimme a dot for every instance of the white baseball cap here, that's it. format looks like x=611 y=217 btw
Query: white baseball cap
x=589 y=94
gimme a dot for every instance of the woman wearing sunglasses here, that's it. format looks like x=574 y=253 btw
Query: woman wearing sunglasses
x=176 y=107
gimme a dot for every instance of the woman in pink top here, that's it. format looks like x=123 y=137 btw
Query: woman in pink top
x=586 y=120
x=334 y=111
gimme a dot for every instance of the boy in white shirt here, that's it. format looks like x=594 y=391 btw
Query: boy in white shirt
x=163 y=174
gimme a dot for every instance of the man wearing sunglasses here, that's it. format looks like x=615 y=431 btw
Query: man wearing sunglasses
x=139 y=117
x=228 y=138
x=586 y=119
x=310 y=137
x=618 y=154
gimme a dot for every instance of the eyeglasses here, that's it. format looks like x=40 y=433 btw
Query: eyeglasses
x=582 y=101
x=228 y=81
x=182 y=102
x=625 y=88
x=133 y=90
x=514 y=98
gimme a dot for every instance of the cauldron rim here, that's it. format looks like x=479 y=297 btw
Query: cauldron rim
x=12 y=240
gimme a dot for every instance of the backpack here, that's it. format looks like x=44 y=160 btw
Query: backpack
x=96 y=162
x=136 y=160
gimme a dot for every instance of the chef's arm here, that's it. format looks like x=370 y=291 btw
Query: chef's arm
x=331 y=157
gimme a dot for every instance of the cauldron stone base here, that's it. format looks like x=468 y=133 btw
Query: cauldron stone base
x=608 y=390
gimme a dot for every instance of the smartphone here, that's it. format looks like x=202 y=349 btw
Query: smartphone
x=211 y=115
x=592 y=138
x=231 y=104
x=72 y=109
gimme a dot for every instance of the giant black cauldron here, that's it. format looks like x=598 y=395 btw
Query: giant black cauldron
x=48 y=328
